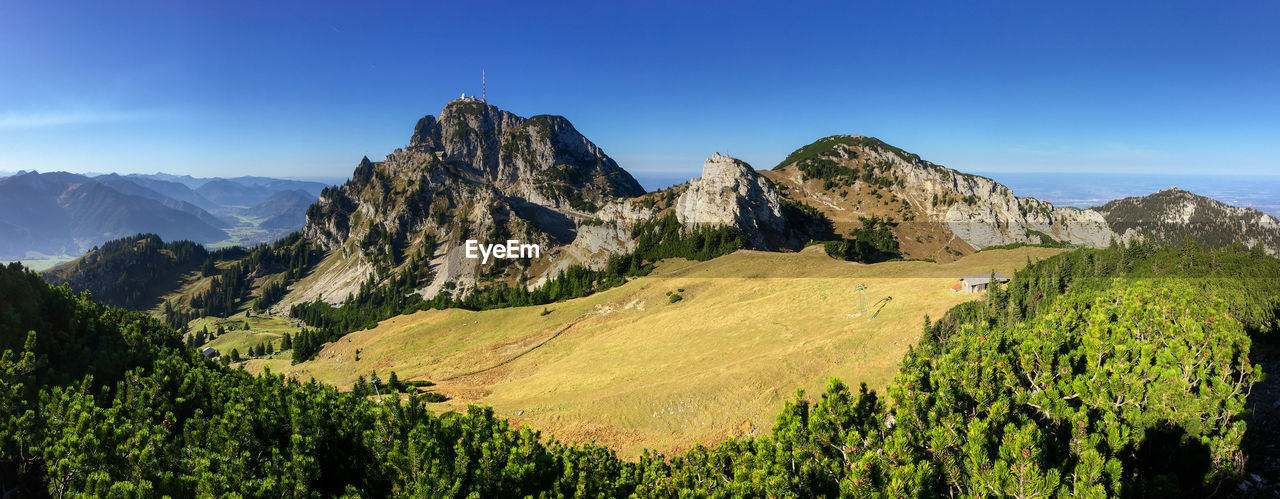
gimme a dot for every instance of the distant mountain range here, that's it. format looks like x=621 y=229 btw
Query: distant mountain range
x=59 y=213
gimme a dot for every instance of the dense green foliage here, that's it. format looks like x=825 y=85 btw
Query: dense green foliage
x=1130 y=383
x=873 y=242
x=270 y=293
x=827 y=160
x=827 y=146
x=805 y=222
x=131 y=272
x=155 y=419
x=663 y=237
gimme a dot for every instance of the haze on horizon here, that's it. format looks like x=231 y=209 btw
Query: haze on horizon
x=307 y=89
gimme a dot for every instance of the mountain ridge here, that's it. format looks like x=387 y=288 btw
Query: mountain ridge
x=475 y=171
x=1171 y=213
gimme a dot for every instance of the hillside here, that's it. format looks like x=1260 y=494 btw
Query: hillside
x=630 y=368
x=131 y=272
x=282 y=210
x=939 y=213
x=1172 y=214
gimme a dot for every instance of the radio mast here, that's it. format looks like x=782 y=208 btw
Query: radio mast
x=483 y=95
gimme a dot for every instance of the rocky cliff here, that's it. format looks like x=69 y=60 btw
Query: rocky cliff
x=542 y=159
x=473 y=172
x=731 y=193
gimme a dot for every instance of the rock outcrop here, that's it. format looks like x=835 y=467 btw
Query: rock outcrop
x=731 y=193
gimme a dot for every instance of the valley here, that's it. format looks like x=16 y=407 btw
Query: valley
x=633 y=368
x=50 y=218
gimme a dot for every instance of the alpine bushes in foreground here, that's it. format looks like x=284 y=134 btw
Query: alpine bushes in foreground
x=1119 y=386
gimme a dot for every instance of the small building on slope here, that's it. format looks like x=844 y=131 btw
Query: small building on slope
x=978 y=283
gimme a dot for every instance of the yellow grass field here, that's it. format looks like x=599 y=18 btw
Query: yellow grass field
x=629 y=369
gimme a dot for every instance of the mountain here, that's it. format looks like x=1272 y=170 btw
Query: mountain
x=230 y=193
x=131 y=272
x=250 y=191
x=35 y=220
x=473 y=172
x=1170 y=214
x=281 y=185
x=283 y=210
x=64 y=213
x=938 y=213
x=187 y=180
x=173 y=189
x=138 y=187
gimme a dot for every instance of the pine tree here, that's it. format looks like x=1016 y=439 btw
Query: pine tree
x=235 y=355
x=361 y=388
x=286 y=343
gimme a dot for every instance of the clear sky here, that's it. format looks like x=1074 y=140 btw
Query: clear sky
x=305 y=89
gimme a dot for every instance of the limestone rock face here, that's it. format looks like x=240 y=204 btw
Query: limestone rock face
x=542 y=159
x=731 y=193
x=473 y=172
x=986 y=213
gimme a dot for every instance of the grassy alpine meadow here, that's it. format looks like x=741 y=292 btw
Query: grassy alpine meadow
x=630 y=368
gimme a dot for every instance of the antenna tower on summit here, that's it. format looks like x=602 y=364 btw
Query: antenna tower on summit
x=483 y=94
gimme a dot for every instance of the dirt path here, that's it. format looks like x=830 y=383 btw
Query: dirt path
x=517 y=356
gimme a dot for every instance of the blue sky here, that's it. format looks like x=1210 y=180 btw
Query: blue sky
x=306 y=89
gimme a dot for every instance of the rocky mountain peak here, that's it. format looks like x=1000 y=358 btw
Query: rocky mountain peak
x=732 y=193
x=542 y=159
x=473 y=171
